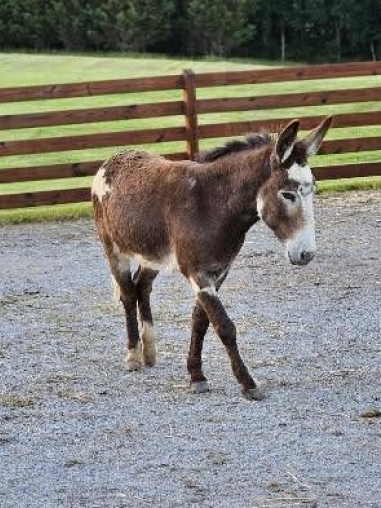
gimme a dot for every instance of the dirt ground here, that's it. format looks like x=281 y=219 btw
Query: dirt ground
x=77 y=430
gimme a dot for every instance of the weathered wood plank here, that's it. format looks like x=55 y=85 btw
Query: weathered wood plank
x=347 y=171
x=89 y=89
x=44 y=198
x=80 y=116
x=276 y=75
x=274 y=124
x=85 y=141
x=288 y=100
x=339 y=146
x=190 y=109
x=55 y=171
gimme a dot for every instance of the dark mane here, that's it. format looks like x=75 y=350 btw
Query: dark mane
x=250 y=142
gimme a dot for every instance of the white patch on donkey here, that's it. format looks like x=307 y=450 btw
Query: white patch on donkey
x=196 y=288
x=100 y=187
x=149 y=347
x=301 y=174
x=304 y=240
x=134 y=358
x=168 y=262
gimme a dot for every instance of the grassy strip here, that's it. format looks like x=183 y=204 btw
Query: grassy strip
x=83 y=210
x=349 y=184
x=46 y=213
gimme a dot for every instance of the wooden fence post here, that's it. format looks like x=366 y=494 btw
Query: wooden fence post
x=190 y=111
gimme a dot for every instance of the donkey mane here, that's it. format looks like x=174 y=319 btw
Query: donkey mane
x=252 y=141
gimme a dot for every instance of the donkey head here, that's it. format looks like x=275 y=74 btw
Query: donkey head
x=285 y=200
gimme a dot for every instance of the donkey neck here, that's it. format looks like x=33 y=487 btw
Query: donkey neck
x=242 y=174
x=253 y=170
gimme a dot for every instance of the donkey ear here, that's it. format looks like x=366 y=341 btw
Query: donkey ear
x=286 y=140
x=314 y=139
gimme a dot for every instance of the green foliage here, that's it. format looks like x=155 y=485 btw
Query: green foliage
x=137 y=25
x=310 y=30
x=27 y=23
x=134 y=25
x=218 y=27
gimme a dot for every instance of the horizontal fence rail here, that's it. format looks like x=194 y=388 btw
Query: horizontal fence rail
x=112 y=113
x=83 y=142
x=292 y=100
x=70 y=90
x=186 y=109
x=58 y=171
x=45 y=198
x=276 y=75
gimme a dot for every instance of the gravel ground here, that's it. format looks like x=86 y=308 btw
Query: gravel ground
x=77 y=430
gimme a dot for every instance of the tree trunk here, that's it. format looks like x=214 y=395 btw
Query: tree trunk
x=338 y=42
x=373 y=51
x=282 y=42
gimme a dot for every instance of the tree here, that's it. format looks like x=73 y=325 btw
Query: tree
x=27 y=24
x=218 y=27
x=137 y=25
x=132 y=25
x=79 y=23
x=365 y=19
x=304 y=30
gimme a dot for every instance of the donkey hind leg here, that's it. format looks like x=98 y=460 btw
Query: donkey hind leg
x=226 y=330
x=200 y=325
x=144 y=278
x=129 y=298
x=124 y=288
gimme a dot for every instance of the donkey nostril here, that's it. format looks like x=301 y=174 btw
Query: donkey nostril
x=306 y=256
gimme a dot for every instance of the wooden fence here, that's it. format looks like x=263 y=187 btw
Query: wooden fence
x=188 y=107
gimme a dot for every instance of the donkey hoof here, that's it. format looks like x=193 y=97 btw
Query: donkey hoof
x=149 y=346
x=133 y=365
x=253 y=393
x=200 y=387
x=149 y=357
x=149 y=361
x=133 y=360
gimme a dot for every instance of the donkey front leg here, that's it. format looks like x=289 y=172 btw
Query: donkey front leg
x=200 y=325
x=226 y=330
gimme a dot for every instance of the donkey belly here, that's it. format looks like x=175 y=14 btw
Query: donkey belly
x=167 y=262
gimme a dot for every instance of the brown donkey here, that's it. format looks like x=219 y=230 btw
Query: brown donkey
x=194 y=216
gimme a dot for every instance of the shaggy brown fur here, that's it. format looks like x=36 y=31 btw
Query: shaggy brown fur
x=195 y=215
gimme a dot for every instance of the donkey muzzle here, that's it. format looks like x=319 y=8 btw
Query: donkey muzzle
x=301 y=259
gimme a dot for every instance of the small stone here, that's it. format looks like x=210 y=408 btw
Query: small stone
x=73 y=462
x=373 y=412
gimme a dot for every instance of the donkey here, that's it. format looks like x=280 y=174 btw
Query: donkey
x=194 y=216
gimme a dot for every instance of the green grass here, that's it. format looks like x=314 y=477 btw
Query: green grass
x=46 y=213
x=24 y=69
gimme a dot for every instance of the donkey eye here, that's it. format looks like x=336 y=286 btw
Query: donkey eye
x=288 y=195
